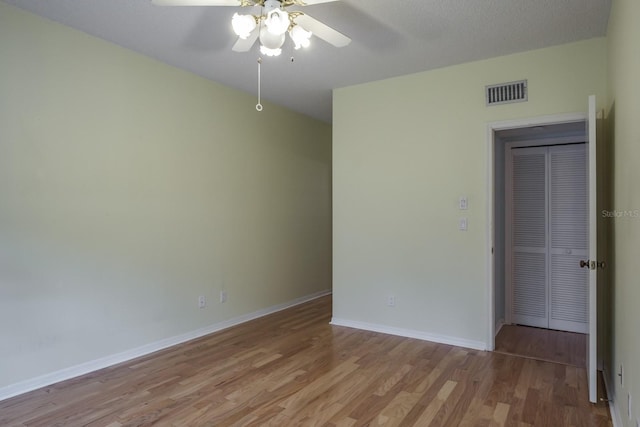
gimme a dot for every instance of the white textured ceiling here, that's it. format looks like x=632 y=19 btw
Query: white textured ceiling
x=390 y=38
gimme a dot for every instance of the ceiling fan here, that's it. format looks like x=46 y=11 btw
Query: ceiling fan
x=271 y=24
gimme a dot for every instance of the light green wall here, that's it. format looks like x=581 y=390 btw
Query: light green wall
x=623 y=114
x=404 y=151
x=128 y=188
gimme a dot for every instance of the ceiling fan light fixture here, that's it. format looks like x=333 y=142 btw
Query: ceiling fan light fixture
x=300 y=37
x=243 y=25
x=270 y=27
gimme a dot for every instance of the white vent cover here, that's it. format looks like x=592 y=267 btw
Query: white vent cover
x=506 y=93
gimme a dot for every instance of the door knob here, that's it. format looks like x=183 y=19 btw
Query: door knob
x=592 y=265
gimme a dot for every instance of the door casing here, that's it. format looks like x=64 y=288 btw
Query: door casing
x=491 y=146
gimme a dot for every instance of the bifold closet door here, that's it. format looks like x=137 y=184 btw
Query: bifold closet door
x=549 y=237
x=529 y=298
x=568 y=241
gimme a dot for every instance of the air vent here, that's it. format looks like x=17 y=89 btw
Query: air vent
x=506 y=93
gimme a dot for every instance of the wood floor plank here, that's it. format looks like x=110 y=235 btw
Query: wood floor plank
x=396 y=411
x=431 y=411
x=500 y=414
x=309 y=392
x=293 y=368
x=568 y=348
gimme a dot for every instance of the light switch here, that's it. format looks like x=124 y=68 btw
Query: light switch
x=463 y=203
x=463 y=224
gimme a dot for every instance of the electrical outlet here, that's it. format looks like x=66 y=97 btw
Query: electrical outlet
x=202 y=302
x=391 y=301
x=462 y=225
x=223 y=297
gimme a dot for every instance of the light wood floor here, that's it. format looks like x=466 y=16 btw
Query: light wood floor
x=544 y=344
x=294 y=369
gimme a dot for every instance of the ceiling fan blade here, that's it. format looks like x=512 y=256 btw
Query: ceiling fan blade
x=243 y=45
x=197 y=2
x=323 y=31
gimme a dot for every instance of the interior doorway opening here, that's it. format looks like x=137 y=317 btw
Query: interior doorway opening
x=546 y=343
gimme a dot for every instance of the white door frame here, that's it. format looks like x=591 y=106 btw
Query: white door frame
x=492 y=128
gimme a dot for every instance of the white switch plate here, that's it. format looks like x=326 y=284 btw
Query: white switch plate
x=463 y=224
x=463 y=203
x=223 y=296
x=202 y=302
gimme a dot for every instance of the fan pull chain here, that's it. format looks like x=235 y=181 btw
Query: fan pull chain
x=259 y=105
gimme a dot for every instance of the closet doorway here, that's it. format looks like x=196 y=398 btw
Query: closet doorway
x=544 y=209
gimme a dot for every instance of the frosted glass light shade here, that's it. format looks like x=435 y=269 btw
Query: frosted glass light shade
x=270 y=52
x=243 y=25
x=300 y=37
x=271 y=40
x=277 y=21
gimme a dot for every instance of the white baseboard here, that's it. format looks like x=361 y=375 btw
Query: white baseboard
x=104 y=362
x=410 y=333
x=614 y=409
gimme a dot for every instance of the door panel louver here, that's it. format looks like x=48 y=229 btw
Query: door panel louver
x=569 y=199
x=505 y=93
x=568 y=290
x=569 y=238
x=529 y=292
x=529 y=241
x=529 y=195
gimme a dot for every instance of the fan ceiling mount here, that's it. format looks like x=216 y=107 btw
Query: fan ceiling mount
x=271 y=24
